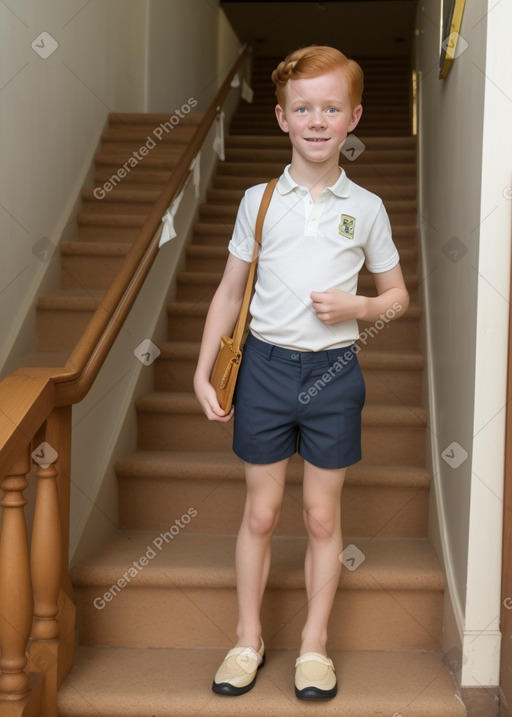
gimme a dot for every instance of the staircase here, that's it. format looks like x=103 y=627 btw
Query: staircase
x=157 y=605
x=107 y=224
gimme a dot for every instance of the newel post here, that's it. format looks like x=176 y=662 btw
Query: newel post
x=16 y=602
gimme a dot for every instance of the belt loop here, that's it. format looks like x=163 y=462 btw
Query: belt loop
x=270 y=351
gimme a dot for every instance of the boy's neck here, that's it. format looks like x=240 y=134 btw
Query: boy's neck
x=315 y=177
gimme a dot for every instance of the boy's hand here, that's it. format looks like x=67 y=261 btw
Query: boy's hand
x=207 y=397
x=335 y=305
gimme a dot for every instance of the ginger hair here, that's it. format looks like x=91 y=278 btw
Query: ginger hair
x=313 y=61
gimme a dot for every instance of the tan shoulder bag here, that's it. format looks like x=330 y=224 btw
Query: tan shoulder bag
x=227 y=364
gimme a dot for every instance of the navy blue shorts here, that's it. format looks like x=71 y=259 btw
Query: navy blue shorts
x=306 y=402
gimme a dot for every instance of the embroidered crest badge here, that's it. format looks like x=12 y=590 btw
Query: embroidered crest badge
x=347 y=226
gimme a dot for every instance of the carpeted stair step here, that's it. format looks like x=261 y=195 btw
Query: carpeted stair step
x=132 y=142
x=378 y=501
x=128 y=133
x=130 y=682
x=63 y=317
x=153 y=176
x=186 y=323
x=181 y=592
x=137 y=134
x=46 y=359
x=115 y=226
x=91 y=264
x=391 y=378
x=123 y=196
x=171 y=420
x=164 y=159
x=112 y=206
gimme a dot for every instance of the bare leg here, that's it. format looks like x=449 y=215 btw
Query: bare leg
x=322 y=516
x=265 y=488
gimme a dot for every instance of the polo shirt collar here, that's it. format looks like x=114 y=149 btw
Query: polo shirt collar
x=286 y=184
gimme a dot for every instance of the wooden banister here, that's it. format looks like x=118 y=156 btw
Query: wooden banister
x=35 y=423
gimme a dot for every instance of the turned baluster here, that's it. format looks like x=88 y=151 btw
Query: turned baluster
x=16 y=602
x=46 y=547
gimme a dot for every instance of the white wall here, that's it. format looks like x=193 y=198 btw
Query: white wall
x=465 y=166
x=183 y=53
x=52 y=112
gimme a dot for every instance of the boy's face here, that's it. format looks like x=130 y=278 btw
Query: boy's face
x=318 y=115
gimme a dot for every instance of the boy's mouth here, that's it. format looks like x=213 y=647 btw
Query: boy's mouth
x=316 y=139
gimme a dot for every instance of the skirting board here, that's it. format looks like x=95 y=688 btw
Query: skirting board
x=484 y=702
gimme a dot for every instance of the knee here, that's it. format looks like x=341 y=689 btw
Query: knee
x=322 y=524
x=262 y=521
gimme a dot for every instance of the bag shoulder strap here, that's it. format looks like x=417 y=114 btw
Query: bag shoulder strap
x=244 y=310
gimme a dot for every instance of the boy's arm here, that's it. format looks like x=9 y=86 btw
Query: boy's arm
x=220 y=321
x=333 y=306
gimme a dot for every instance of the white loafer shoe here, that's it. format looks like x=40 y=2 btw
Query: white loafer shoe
x=315 y=677
x=237 y=673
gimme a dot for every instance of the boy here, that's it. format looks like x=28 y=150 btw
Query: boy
x=319 y=230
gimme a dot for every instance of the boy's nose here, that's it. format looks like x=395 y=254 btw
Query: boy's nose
x=317 y=119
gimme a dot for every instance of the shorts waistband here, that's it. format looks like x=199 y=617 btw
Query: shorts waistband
x=269 y=350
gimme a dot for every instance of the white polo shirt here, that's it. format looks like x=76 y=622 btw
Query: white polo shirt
x=310 y=246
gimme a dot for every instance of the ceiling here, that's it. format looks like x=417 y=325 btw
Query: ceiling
x=357 y=27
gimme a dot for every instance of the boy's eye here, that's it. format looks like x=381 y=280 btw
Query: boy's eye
x=332 y=110
x=300 y=110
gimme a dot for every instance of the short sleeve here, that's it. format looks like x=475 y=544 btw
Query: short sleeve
x=380 y=251
x=241 y=244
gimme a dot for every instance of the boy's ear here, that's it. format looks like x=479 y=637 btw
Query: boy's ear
x=281 y=119
x=356 y=116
